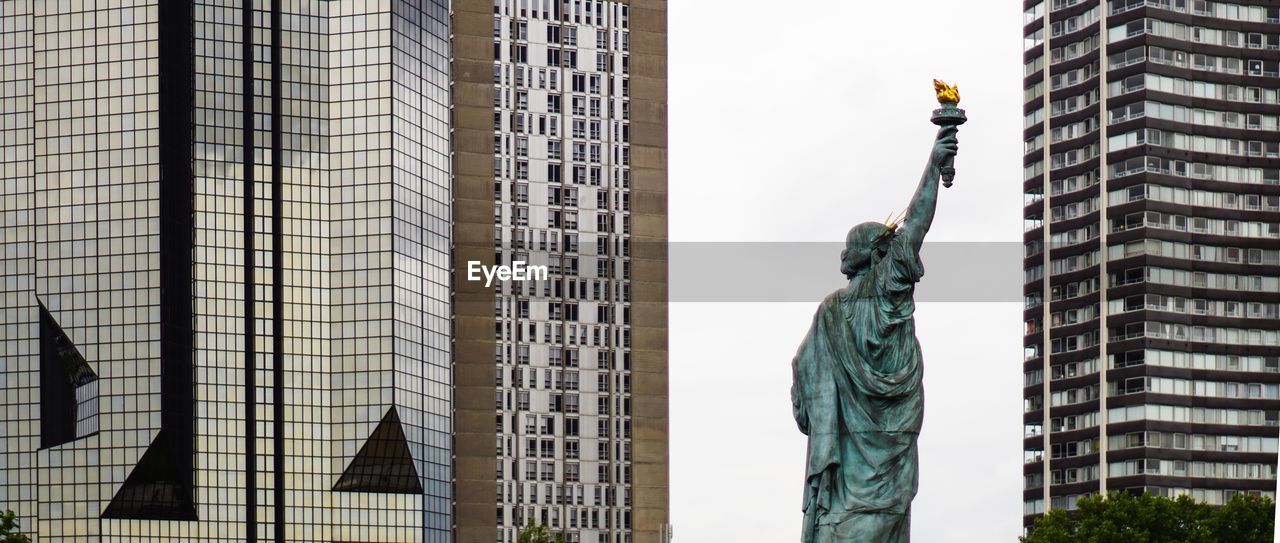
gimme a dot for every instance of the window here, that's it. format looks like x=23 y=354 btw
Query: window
x=69 y=401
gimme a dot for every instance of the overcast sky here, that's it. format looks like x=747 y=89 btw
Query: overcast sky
x=792 y=121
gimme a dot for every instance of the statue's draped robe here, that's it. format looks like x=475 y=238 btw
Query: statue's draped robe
x=857 y=395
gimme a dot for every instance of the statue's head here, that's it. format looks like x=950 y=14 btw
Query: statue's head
x=865 y=245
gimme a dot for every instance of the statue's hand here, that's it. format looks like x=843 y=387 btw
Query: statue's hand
x=945 y=147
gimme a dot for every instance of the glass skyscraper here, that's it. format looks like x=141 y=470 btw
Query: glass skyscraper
x=1152 y=182
x=225 y=270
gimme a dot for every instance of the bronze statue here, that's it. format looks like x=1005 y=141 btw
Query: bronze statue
x=856 y=388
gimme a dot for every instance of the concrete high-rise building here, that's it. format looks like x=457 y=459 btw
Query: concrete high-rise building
x=1152 y=182
x=224 y=270
x=234 y=291
x=560 y=149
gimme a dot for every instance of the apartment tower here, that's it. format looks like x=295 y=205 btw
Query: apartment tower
x=1152 y=183
x=224 y=270
x=560 y=156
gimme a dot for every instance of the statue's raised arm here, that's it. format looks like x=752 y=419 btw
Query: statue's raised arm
x=920 y=211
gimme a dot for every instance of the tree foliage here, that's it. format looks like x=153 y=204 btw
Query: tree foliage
x=1123 y=517
x=9 y=529
x=537 y=533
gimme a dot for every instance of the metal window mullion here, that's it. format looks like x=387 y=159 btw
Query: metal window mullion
x=1045 y=222
x=250 y=256
x=1103 y=228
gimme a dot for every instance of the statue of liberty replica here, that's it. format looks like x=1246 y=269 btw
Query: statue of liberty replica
x=856 y=388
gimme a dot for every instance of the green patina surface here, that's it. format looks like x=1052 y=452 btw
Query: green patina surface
x=857 y=389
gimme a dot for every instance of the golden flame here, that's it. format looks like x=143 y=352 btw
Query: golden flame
x=946 y=93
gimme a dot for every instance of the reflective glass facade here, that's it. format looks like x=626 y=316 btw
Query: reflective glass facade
x=1152 y=341
x=224 y=272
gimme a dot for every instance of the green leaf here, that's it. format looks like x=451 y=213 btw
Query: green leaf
x=9 y=529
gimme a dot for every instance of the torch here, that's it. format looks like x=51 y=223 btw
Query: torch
x=948 y=115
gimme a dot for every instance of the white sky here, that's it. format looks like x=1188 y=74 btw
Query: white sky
x=792 y=121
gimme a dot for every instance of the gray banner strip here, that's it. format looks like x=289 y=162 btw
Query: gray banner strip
x=808 y=271
x=803 y=271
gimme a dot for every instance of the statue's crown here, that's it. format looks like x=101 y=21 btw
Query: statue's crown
x=891 y=225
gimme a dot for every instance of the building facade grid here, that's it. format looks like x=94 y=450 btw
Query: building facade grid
x=561 y=170
x=317 y=308
x=1152 y=233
